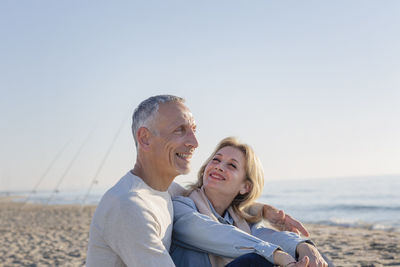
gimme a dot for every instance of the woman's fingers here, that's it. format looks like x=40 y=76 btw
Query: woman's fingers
x=303 y=262
x=295 y=225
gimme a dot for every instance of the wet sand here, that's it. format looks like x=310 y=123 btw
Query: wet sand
x=38 y=235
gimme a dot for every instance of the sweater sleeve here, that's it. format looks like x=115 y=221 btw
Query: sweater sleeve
x=133 y=232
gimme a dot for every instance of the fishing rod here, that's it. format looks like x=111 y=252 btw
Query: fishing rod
x=56 y=189
x=34 y=189
x=94 y=180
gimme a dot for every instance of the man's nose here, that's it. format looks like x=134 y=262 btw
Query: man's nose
x=192 y=140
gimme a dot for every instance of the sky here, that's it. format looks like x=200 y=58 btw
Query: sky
x=312 y=86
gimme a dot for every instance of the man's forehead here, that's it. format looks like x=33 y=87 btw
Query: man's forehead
x=176 y=112
x=188 y=116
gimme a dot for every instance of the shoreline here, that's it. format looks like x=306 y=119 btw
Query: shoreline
x=40 y=235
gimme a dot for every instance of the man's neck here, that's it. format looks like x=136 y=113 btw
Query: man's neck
x=155 y=180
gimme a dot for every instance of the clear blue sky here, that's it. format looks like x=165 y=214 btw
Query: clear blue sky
x=313 y=86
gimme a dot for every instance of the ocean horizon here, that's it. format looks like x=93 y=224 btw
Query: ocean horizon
x=371 y=202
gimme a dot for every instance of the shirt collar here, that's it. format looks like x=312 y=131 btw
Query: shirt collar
x=227 y=219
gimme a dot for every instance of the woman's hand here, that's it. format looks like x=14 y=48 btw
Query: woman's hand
x=310 y=251
x=302 y=263
x=282 y=221
x=283 y=259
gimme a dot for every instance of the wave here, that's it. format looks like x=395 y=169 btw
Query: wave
x=359 y=224
x=352 y=207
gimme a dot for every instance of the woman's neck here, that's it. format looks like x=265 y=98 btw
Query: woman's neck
x=220 y=202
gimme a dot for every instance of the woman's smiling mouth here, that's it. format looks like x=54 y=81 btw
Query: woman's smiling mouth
x=217 y=176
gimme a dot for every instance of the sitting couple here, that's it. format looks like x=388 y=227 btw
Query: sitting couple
x=216 y=224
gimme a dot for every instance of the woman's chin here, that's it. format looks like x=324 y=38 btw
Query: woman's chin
x=212 y=185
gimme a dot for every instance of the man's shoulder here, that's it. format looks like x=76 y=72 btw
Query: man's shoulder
x=132 y=197
x=125 y=190
x=131 y=193
x=130 y=205
x=129 y=185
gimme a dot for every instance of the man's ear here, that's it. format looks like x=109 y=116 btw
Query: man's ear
x=245 y=188
x=143 y=138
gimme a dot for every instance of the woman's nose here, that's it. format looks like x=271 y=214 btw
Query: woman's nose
x=219 y=167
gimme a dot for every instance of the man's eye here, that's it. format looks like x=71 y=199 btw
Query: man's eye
x=216 y=160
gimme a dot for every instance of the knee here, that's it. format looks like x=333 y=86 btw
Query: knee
x=250 y=260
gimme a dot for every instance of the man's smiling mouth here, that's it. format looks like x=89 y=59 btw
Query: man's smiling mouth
x=185 y=156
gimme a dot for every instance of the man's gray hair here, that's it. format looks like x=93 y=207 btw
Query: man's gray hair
x=145 y=113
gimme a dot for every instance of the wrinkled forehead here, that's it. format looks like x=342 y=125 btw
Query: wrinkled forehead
x=188 y=117
x=175 y=113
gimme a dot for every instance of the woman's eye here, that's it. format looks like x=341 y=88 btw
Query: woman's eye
x=216 y=160
x=233 y=165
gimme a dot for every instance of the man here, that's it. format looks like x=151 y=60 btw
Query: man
x=132 y=224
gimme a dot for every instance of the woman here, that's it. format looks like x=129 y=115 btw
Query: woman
x=228 y=183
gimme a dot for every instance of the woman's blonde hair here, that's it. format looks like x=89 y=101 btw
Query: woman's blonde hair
x=254 y=174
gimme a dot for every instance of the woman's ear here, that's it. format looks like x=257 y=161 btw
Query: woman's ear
x=246 y=187
x=143 y=138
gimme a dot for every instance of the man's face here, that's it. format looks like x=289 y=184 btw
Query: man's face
x=175 y=142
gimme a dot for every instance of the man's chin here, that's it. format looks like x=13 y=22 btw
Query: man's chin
x=183 y=171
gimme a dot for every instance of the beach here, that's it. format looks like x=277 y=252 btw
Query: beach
x=57 y=235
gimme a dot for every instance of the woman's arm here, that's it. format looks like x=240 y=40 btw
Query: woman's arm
x=200 y=231
x=277 y=218
x=292 y=244
x=288 y=241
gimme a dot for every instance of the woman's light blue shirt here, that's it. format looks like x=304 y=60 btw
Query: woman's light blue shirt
x=195 y=235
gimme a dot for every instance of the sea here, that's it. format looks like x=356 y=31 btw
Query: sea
x=371 y=202
x=367 y=202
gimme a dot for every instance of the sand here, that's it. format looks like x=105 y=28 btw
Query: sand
x=37 y=235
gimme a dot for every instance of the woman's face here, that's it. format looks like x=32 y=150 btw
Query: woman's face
x=225 y=173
